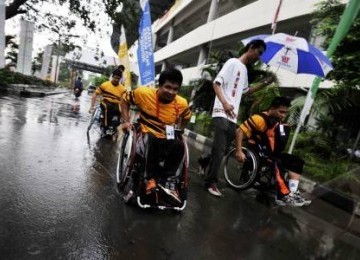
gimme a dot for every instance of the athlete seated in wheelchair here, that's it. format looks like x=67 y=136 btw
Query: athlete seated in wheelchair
x=267 y=138
x=160 y=151
x=111 y=92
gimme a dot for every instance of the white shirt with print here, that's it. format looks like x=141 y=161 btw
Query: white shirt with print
x=233 y=80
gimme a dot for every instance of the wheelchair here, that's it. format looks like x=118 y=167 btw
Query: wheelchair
x=257 y=171
x=95 y=124
x=131 y=181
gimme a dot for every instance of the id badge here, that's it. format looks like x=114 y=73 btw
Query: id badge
x=170 y=133
x=282 y=130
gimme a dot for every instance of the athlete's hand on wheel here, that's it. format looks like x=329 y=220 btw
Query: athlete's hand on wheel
x=126 y=126
x=240 y=156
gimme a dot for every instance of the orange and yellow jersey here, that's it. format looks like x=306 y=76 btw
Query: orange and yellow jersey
x=267 y=131
x=154 y=115
x=110 y=92
x=259 y=124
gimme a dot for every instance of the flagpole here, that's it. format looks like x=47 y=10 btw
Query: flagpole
x=124 y=58
x=350 y=13
x=276 y=16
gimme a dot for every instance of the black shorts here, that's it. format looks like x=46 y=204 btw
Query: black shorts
x=292 y=163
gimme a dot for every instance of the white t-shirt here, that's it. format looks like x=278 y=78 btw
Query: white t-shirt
x=233 y=80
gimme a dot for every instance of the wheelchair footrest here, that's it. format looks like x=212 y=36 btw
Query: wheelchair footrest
x=147 y=205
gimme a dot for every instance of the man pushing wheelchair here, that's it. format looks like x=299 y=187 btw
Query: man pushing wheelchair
x=162 y=114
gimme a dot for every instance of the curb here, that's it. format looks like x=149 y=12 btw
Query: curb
x=28 y=91
x=335 y=198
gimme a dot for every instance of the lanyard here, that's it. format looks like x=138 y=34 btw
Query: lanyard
x=176 y=107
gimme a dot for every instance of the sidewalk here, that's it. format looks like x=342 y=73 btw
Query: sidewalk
x=328 y=192
x=32 y=90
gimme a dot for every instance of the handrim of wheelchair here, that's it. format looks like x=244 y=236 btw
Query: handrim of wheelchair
x=253 y=172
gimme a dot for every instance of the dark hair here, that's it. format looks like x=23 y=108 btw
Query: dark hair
x=172 y=75
x=117 y=72
x=255 y=44
x=280 y=102
x=79 y=78
x=121 y=67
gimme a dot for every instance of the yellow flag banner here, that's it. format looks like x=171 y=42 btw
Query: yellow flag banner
x=124 y=58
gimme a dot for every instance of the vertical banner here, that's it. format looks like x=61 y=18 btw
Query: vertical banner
x=2 y=33
x=25 y=47
x=124 y=58
x=145 y=49
x=276 y=16
x=46 y=62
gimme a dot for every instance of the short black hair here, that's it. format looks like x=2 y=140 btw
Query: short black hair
x=173 y=75
x=117 y=72
x=121 y=67
x=79 y=78
x=255 y=44
x=280 y=102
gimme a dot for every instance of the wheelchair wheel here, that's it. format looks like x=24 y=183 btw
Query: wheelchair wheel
x=95 y=118
x=240 y=175
x=124 y=164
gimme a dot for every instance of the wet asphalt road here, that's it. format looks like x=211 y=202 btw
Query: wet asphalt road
x=58 y=200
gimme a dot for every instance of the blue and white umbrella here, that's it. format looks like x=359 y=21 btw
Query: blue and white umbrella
x=294 y=54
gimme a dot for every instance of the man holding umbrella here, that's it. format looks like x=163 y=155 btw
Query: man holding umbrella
x=229 y=86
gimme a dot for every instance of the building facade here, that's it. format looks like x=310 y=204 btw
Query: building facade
x=192 y=29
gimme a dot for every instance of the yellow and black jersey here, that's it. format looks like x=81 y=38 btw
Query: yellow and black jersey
x=154 y=116
x=267 y=131
x=110 y=92
x=259 y=124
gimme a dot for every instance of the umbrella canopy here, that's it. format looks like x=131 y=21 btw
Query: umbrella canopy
x=293 y=53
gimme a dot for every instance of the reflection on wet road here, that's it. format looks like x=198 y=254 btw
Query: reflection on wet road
x=58 y=199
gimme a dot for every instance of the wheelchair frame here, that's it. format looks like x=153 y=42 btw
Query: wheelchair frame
x=126 y=168
x=95 y=119
x=256 y=171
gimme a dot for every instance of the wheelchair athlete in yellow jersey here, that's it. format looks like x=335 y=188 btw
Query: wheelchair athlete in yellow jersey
x=159 y=143
x=111 y=92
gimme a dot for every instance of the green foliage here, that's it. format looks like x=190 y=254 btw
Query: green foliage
x=97 y=81
x=203 y=124
x=8 y=77
x=325 y=157
x=185 y=91
x=12 y=53
x=321 y=170
x=346 y=57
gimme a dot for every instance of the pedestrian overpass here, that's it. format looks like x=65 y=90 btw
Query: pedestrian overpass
x=88 y=60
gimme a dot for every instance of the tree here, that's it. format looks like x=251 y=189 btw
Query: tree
x=345 y=96
x=346 y=57
x=88 y=12
x=11 y=55
x=130 y=16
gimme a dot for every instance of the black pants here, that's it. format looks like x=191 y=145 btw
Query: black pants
x=225 y=132
x=109 y=110
x=162 y=157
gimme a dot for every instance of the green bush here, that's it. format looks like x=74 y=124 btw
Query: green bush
x=323 y=161
x=203 y=124
x=9 y=77
x=185 y=91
